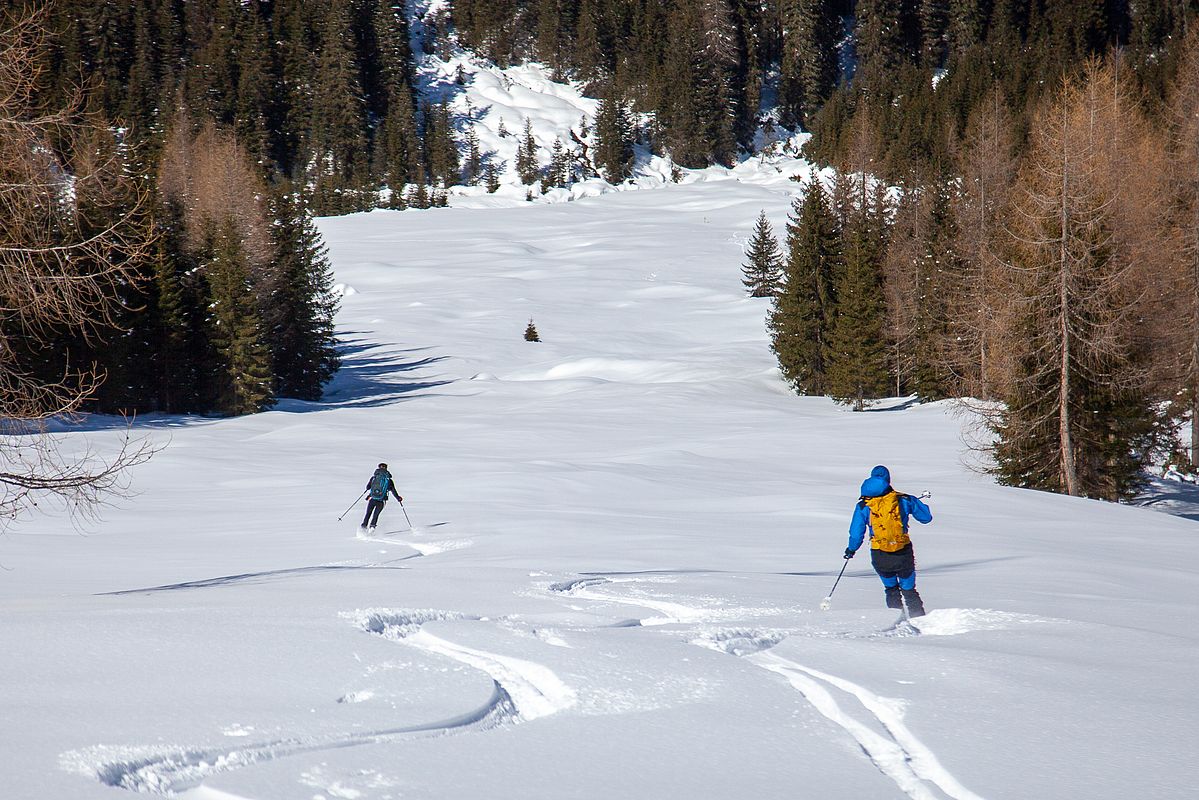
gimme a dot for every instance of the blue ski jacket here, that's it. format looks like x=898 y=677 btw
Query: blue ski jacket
x=877 y=485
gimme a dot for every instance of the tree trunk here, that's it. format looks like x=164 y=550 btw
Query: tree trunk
x=1065 y=440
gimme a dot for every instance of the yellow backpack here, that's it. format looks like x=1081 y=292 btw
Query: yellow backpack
x=886 y=523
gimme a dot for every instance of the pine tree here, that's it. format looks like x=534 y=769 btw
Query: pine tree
x=399 y=147
x=299 y=315
x=804 y=308
x=526 y=157
x=762 y=270
x=179 y=346
x=441 y=149
x=531 y=334
x=614 y=140
x=558 y=174
x=243 y=384
x=337 y=151
x=934 y=25
x=856 y=357
x=938 y=275
x=472 y=168
x=809 y=62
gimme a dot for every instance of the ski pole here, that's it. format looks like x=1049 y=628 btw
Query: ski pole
x=351 y=508
x=406 y=515
x=827 y=602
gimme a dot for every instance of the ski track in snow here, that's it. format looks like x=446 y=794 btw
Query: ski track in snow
x=522 y=691
x=672 y=613
x=899 y=755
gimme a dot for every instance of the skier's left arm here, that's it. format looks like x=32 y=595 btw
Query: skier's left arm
x=917 y=508
x=391 y=486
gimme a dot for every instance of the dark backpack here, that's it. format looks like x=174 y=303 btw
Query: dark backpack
x=380 y=483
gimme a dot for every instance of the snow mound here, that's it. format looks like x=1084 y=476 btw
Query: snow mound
x=956 y=621
x=739 y=641
x=397 y=624
x=617 y=370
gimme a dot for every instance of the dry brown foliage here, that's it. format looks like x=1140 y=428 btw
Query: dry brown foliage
x=1077 y=272
x=211 y=176
x=70 y=235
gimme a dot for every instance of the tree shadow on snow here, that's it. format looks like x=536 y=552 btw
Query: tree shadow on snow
x=371 y=376
x=1178 y=498
x=256 y=577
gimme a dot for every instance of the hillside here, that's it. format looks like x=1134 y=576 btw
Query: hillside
x=622 y=538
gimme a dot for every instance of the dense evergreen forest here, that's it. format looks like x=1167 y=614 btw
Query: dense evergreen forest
x=1011 y=214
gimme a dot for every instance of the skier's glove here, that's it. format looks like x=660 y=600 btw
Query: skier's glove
x=849 y=553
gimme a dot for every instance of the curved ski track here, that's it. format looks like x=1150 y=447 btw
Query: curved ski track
x=899 y=755
x=522 y=690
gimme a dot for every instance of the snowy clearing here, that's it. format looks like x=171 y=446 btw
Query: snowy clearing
x=621 y=536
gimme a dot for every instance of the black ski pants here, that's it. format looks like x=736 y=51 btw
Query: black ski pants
x=373 y=508
x=895 y=569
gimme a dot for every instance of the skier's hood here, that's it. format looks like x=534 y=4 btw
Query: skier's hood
x=879 y=482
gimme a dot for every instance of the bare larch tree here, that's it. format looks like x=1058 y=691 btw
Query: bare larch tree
x=72 y=228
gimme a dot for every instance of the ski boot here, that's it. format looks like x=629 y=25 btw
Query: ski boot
x=894 y=600
x=915 y=605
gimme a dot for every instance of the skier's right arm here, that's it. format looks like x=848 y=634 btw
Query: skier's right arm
x=857 y=526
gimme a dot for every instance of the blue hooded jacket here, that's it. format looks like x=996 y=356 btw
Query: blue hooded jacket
x=877 y=485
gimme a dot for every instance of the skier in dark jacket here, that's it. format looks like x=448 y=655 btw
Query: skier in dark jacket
x=379 y=485
x=884 y=512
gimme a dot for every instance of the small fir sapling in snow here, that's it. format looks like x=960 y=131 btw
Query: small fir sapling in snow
x=764 y=268
x=526 y=157
x=531 y=334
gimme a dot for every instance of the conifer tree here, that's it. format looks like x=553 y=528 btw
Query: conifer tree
x=809 y=59
x=531 y=334
x=762 y=271
x=1184 y=178
x=399 y=147
x=441 y=149
x=804 y=308
x=472 y=167
x=243 y=384
x=986 y=163
x=614 y=140
x=938 y=274
x=337 y=155
x=558 y=173
x=1077 y=417
x=526 y=157
x=299 y=314
x=856 y=357
x=178 y=346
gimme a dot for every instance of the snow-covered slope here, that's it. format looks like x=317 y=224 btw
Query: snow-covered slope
x=623 y=535
x=496 y=102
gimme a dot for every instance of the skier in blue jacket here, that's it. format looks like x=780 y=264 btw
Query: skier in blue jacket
x=379 y=485
x=884 y=513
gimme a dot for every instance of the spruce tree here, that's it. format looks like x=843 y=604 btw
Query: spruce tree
x=299 y=316
x=938 y=274
x=614 y=140
x=243 y=382
x=856 y=356
x=762 y=271
x=526 y=157
x=531 y=334
x=336 y=146
x=472 y=167
x=803 y=312
x=809 y=59
x=441 y=149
